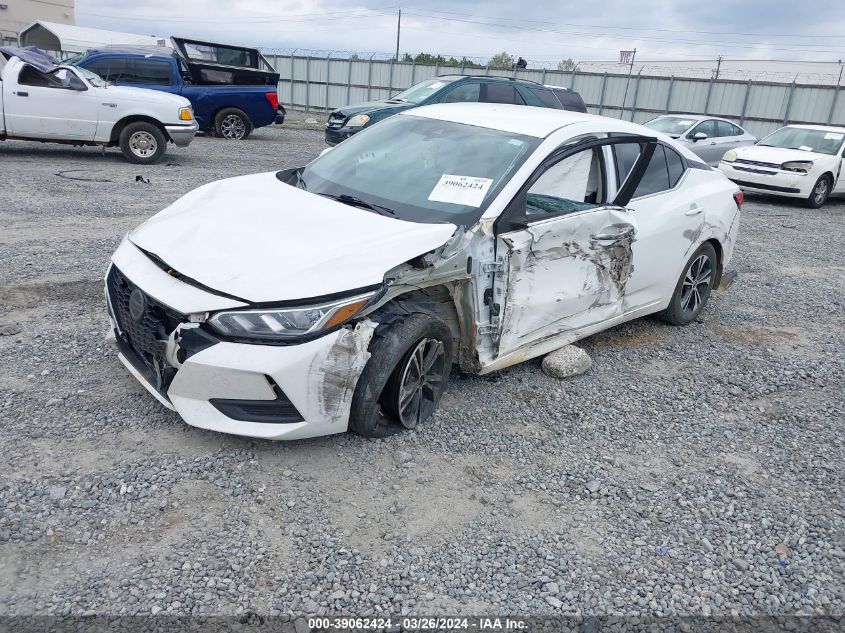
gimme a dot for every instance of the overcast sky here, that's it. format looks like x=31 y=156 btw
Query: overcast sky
x=534 y=29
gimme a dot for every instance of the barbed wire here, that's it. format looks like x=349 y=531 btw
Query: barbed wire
x=698 y=69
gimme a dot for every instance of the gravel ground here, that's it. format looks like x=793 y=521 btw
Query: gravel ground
x=693 y=470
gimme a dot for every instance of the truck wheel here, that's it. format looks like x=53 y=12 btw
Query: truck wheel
x=142 y=143
x=232 y=124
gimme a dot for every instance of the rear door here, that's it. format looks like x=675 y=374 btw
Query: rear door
x=668 y=222
x=564 y=249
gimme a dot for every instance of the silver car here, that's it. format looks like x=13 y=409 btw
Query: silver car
x=709 y=137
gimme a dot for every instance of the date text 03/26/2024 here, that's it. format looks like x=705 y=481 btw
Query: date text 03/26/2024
x=417 y=624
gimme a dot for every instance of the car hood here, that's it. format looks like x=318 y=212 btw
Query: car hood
x=261 y=240
x=144 y=95
x=777 y=155
x=373 y=106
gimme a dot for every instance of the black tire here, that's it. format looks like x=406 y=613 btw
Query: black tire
x=142 y=143
x=232 y=124
x=820 y=193
x=375 y=404
x=693 y=288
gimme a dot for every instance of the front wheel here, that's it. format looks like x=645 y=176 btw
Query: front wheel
x=232 y=124
x=142 y=143
x=820 y=193
x=410 y=361
x=693 y=288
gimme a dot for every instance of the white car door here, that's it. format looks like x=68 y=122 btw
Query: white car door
x=565 y=250
x=55 y=105
x=668 y=223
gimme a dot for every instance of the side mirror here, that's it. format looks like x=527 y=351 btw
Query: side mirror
x=699 y=136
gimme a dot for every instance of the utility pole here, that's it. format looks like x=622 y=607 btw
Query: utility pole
x=718 y=66
x=627 y=81
x=398 y=29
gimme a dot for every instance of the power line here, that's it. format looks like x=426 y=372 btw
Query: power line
x=806 y=48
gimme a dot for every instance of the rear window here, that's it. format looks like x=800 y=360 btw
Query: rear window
x=132 y=71
x=547 y=97
x=503 y=93
x=570 y=100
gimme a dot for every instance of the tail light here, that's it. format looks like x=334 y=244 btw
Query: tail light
x=739 y=198
x=273 y=98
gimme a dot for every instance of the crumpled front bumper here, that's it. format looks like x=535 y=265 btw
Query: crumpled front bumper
x=182 y=135
x=238 y=388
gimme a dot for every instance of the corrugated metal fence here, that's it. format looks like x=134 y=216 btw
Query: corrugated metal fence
x=321 y=84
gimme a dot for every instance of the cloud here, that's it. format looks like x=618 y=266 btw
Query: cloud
x=542 y=30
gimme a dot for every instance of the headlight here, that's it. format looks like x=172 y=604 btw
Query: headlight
x=287 y=323
x=800 y=166
x=186 y=114
x=359 y=120
x=730 y=156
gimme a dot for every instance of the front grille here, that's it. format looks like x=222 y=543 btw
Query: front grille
x=757 y=163
x=336 y=120
x=147 y=335
x=754 y=171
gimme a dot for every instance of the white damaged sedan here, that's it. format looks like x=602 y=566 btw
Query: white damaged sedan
x=339 y=295
x=796 y=161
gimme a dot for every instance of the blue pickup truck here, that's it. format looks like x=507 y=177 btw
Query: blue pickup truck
x=230 y=91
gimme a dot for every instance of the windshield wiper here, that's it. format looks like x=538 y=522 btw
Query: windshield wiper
x=352 y=201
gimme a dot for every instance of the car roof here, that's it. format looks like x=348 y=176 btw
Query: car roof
x=519 y=119
x=695 y=117
x=145 y=51
x=516 y=80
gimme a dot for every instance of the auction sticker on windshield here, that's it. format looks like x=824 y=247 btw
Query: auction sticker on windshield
x=466 y=190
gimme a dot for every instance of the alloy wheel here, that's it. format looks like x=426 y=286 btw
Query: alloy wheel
x=820 y=192
x=696 y=285
x=421 y=382
x=233 y=127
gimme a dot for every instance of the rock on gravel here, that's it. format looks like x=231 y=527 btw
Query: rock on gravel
x=567 y=361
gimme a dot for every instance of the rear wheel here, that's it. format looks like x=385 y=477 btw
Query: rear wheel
x=410 y=361
x=232 y=124
x=820 y=193
x=693 y=288
x=142 y=143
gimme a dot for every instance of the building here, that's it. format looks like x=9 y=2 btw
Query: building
x=16 y=15
x=64 y=38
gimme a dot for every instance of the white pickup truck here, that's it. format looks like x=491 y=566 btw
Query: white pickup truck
x=43 y=101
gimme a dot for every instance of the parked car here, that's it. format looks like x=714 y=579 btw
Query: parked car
x=339 y=295
x=569 y=99
x=43 y=101
x=348 y=120
x=796 y=161
x=708 y=137
x=228 y=99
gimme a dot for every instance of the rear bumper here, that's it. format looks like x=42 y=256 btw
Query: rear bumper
x=182 y=135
